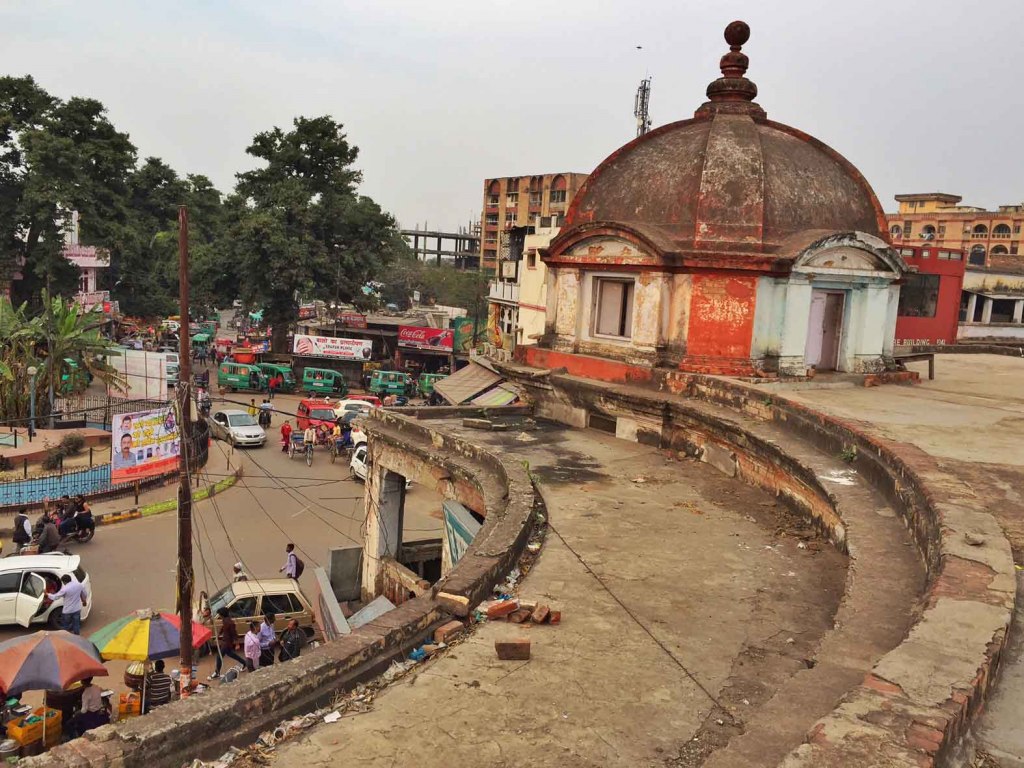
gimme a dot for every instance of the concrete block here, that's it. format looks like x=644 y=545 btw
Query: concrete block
x=720 y=458
x=626 y=429
x=513 y=650
x=344 y=569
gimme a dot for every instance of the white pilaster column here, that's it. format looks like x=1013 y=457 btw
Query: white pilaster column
x=794 y=327
x=385 y=508
x=972 y=306
x=1018 y=311
x=986 y=310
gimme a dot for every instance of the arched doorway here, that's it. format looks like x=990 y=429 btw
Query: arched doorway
x=977 y=256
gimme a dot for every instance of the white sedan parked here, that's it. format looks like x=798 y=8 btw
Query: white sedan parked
x=27 y=581
x=237 y=427
x=359 y=467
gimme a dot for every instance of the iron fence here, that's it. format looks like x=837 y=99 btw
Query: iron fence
x=18 y=489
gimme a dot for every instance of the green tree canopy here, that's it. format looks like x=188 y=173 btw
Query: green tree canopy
x=298 y=227
x=55 y=157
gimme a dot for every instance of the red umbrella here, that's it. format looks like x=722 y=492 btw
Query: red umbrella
x=47 y=661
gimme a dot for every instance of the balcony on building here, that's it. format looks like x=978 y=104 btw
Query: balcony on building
x=503 y=291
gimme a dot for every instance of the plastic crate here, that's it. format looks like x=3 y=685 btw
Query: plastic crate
x=23 y=732
x=129 y=705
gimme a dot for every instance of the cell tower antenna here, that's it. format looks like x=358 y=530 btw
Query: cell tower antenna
x=641 y=105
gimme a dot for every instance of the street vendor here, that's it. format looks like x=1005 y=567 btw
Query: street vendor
x=94 y=709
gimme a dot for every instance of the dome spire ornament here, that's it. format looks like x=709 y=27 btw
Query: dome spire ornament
x=733 y=92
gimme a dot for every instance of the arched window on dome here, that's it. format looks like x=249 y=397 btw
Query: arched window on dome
x=558 y=189
x=977 y=256
x=896 y=230
x=998 y=250
x=1001 y=231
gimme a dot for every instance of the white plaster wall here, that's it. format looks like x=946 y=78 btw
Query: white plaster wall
x=796 y=307
x=769 y=316
x=649 y=290
x=568 y=300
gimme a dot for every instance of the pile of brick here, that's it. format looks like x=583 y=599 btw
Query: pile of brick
x=525 y=613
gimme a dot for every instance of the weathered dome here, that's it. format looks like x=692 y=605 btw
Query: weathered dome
x=729 y=179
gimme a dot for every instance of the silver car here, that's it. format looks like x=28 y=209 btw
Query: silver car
x=237 y=427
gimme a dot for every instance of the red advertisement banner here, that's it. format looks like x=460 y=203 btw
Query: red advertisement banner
x=417 y=337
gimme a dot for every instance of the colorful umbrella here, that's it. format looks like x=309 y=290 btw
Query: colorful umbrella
x=47 y=661
x=145 y=635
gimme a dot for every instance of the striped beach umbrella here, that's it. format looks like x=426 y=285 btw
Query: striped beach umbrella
x=145 y=635
x=47 y=661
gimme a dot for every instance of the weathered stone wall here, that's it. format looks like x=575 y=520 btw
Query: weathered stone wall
x=923 y=695
x=235 y=714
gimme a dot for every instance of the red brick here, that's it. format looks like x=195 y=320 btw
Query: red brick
x=555 y=617
x=540 y=614
x=882 y=686
x=518 y=617
x=513 y=650
x=501 y=609
x=448 y=632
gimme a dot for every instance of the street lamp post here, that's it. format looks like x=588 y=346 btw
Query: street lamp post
x=32 y=371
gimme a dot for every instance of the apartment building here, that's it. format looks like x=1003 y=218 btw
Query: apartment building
x=516 y=201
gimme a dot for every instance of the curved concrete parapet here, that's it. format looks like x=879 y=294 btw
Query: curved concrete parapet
x=919 y=698
x=206 y=725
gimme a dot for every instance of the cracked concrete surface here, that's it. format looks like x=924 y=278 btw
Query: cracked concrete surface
x=704 y=563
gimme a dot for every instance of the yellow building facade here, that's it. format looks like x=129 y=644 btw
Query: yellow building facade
x=939 y=217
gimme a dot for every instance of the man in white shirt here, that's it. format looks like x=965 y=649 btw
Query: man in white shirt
x=74 y=598
x=291 y=563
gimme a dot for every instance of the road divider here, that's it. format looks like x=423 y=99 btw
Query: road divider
x=169 y=505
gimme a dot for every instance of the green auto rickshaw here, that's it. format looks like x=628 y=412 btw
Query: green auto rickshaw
x=323 y=381
x=273 y=369
x=391 y=383
x=427 y=381
x=241 y=377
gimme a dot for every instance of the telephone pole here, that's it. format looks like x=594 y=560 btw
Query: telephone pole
x=185 y=459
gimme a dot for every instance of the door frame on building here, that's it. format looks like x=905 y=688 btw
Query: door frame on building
x=816 y=350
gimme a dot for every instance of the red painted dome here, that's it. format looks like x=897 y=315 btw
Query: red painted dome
x=727 y=180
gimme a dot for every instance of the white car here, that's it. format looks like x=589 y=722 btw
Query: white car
x=358 y=463
x=27 y=580
x=237 y=427
x=348 y=406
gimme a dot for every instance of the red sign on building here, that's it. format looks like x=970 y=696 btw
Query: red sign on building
x=929 y=307
x=417 y=337
x=352 y=319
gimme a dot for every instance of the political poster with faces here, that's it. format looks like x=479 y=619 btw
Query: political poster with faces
x=145 y=443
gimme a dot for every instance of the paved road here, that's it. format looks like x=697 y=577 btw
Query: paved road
x=132 y=564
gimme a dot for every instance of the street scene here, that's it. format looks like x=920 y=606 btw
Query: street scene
x=672 y=418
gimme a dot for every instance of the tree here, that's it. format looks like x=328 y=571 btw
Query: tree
x=55 y=157
x=299 y=228
x=62 y=332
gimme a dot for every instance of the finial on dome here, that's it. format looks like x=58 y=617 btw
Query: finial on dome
x=733 y=92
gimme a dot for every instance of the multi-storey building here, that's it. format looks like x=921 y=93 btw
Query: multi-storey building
x=518 y=294
x=515 y=201
x=939 y=217
x=992 y=303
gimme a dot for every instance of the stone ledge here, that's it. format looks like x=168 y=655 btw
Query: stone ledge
x=981 y=582
x=206 y=725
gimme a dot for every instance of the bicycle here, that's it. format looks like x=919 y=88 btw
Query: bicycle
x=309 y=454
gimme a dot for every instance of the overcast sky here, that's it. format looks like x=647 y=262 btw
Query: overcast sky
x=921 y=96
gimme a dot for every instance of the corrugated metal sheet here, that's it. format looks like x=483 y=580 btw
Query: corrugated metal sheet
x=466 y=384
x=503 y=394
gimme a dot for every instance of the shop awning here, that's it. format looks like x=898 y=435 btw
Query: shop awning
x=466 y=383
x=201 y=338
x=503 y=394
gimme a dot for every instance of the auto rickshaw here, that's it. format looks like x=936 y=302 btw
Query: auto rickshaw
x=240 y=377
x=273 y=369
x=391 y=383
x=426 y=383
x=323 y=381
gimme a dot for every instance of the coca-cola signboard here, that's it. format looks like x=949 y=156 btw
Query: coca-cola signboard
x=325 y=346
x=417 y=337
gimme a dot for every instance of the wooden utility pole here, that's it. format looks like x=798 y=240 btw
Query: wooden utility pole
x=184 y=486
